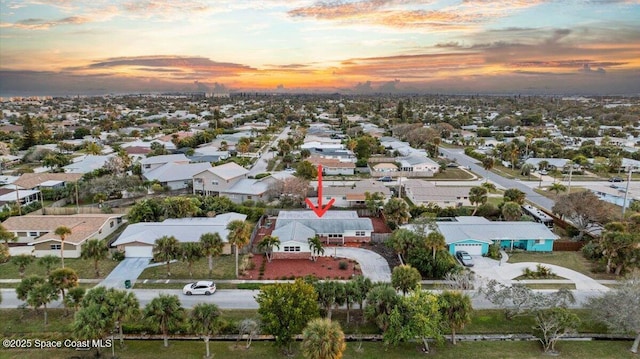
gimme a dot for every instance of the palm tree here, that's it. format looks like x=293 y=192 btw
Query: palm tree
x=204 y=321
x=123 y=305
x=477 y=196
x=191 y=252
x=323 y=339
x=74 y=297
x=212 y=246
x=511 y=211
x=97 y=250
x=164 y=312
x=435 y=241
x=166 y=249
x=239 y=233
x=266 y=244
x=40 y=295
x=22 y=261
x=48 y=262
x=487 y=164
x=557 y=187
x=455 y=309
x=316 y=247
x=63 y=278
x=63 y=232
x=401 y=240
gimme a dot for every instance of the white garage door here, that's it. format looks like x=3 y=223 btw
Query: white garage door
x=471 y=248
x=138 y=251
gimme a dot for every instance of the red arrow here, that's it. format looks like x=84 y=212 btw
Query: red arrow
x=318 y=209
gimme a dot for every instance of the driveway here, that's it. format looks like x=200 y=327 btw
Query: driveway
x=503 y=272
x=373 y=265
x=129 y=268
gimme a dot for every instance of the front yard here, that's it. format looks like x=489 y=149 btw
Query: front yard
x=83 y=267
x=224 y=267
x=571 y=260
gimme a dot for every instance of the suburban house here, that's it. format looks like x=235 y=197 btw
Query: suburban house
x=38 y=231
x=294 y=241
x=176 y=175
x=337 y=227
x=552 y=163
x=88 y=163
x=418 y=163
x=475 y=234
x=138 y=239
x=218 y=179
x=248 y=189
x=333 y=167
x=424 y=192
x=35 y=180
x=151 y=163
x=353 y=195
x=615 y=194
x=9 y=197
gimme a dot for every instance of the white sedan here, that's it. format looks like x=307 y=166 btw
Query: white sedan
x=202 y=287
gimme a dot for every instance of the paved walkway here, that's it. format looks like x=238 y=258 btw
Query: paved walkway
x=373 y=265
x=504 y=272
x=129 y=268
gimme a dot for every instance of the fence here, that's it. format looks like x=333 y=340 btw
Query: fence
x=379 y=237
x=65 y=211
x=568 y=246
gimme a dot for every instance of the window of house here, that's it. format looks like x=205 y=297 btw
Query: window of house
x=334 y=235
x=111 y=224
x=248 y=197
x=55 y=247
x=360 y=233
x=292 y=248
x=119 y=220
x=214 y=182
x=33 y=234
x=539 y=241
x=21 y=234
x=147 y=166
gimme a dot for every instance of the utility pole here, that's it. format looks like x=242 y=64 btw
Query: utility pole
x=570 y=171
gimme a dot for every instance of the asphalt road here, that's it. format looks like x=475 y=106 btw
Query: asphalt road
x=260 y=166
x=245 y=299
x=476 y=166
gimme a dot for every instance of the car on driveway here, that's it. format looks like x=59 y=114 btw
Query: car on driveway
x=201 y=287
x=615 y=179
x=385 y=179
x=464 y=258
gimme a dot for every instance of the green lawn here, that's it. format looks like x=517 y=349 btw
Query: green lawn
x=571 y=260
x=365 y=350
x=493 y=321
x=452 y=174
x=83 y=267
x=224 y=267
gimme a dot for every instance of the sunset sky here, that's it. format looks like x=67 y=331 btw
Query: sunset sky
x=58 y=47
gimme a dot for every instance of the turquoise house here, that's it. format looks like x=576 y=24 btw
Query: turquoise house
x=475 y=234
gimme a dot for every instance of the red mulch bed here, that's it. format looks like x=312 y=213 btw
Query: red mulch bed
x=379 y=226
x=323 y=268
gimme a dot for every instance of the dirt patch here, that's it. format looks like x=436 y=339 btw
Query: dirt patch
x=384 y=251
x=324 y=267
x=379 y=226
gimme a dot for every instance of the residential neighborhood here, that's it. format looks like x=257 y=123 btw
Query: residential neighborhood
x=152 y=194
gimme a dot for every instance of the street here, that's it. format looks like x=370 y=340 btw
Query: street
x=260 y=166
x=244 y=299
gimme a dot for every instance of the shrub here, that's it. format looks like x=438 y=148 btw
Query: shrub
x=591 y=251
x=343 y=265
x=494 y=251
x=117 y=256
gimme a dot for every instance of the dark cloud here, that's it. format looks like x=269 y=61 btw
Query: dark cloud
x=586 y=68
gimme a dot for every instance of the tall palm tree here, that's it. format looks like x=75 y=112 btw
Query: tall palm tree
x=124 y=305
x=63 y=232
x=204 y=320
x=238 y=237
x=97 y=250
x=323 y=339
x=487 y=164
x=477 y=196
x=212 y=246
x=164 y=312
x=455 y=309
x=191 y=252
x=266 y=244
x=166 y=249
x=435 y=241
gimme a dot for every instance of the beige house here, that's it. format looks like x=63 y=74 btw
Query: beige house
x=423 y=192
x=34 y=180
x=215 y=180
x=38 y=231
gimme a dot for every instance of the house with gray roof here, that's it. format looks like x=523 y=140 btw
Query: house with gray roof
x=353 y=195
x=138 y=239
x=475 y=234
x=337 y=227
x=294 y=241
x=216 y=180
x=422 y=192
x=249 y=189
x=418 y=163
x=151 y=163
x=176 y=175
x=86 y=164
